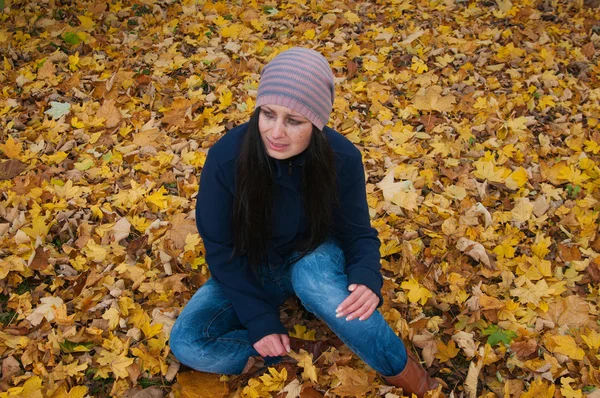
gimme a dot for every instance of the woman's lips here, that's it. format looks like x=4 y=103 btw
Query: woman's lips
x=276 y=147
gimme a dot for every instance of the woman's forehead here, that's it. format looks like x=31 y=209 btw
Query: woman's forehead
x=282 y=109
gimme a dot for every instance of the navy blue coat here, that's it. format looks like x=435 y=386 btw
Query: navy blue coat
x=351 y=226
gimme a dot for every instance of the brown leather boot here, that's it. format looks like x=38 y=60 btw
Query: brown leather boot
x=413 y=379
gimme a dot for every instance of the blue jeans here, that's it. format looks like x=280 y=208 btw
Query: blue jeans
x=209 y=337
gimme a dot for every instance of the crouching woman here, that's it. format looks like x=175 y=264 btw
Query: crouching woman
x=282 y=211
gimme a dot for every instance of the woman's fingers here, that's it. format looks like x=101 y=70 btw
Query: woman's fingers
x=357 y=299
x=273 y=345
x=365 y=311
x=355 y=306
x=285 y=340
x=278 y=348
x=357 y=291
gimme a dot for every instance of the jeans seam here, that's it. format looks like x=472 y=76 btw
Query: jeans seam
x=214 y=318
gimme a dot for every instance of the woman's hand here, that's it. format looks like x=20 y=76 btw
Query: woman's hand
x=273 y=345
x=359 y=304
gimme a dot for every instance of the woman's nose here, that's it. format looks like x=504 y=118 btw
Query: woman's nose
x=278 y=130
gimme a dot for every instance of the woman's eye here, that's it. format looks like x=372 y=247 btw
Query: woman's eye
x=268 y=114
x=293 y=122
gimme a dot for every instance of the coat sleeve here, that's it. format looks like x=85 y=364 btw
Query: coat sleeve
x=214 y=206
x=352 y=227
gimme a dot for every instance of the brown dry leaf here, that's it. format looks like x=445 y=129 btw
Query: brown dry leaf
x=472 y=379
x=524 y=349
x=121 y=229
x=354 y=382
x=11 y=168
x=310 y=392
x=568 y=253
x=540 y=206
x=39 y=261
x=428 y=343
x=47 y=70
x=180 y=228
x=175 y=116
x=589 y=50
x=466 y=342
x=474 y=250
x=10 y=368
x=194 y=384
x=110 y=113
x=571 y=311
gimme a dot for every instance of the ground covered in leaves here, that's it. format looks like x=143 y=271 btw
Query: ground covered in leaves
x=478 y=121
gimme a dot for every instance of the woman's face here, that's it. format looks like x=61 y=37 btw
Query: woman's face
x=284 y=132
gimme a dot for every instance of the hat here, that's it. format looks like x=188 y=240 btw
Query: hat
x=299 y=79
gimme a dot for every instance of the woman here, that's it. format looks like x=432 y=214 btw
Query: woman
x=282 y=211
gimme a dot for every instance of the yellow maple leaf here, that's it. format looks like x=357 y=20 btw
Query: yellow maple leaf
x=540 y=389
x=352 y=17
x=158 y=198
x=119 y=366
x=572 y=175
x=547 y=101
x=301 y=333
x=86 y=22
x=275 y=380
x=12 y=148
x=541 y=246
x=255 y=389
x=305 y=361
x=113 y=317
x=138 y=317
x=78 y=392
x=522 y=211
x=225 y=99
x=74 y=62
x=151 y=331
x=418 y=65
x=592 y=146
x=431 y=99
x=39 y=227
x=530 y=293
x=566 y=345
x=32 y=388
x=407 y=200
x=516 y=179
x=505 y=250
x=592 y=339
x=56 y=157
x=309 y=34
x=233 y=31
x=191 y=242
x=446 y=352
x=94 y=251
x=568 y=391
x=416 y=292
x=486 y=170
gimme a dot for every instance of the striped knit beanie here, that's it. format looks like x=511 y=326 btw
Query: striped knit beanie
x=299 y=79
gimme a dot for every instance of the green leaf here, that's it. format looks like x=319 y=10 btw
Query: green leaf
x=71 y=38
x=68 y=346
x=270 y=10
x=497 y=335
x=58 y=109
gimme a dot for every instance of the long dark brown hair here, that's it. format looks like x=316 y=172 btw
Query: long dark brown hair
x=255 y=189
